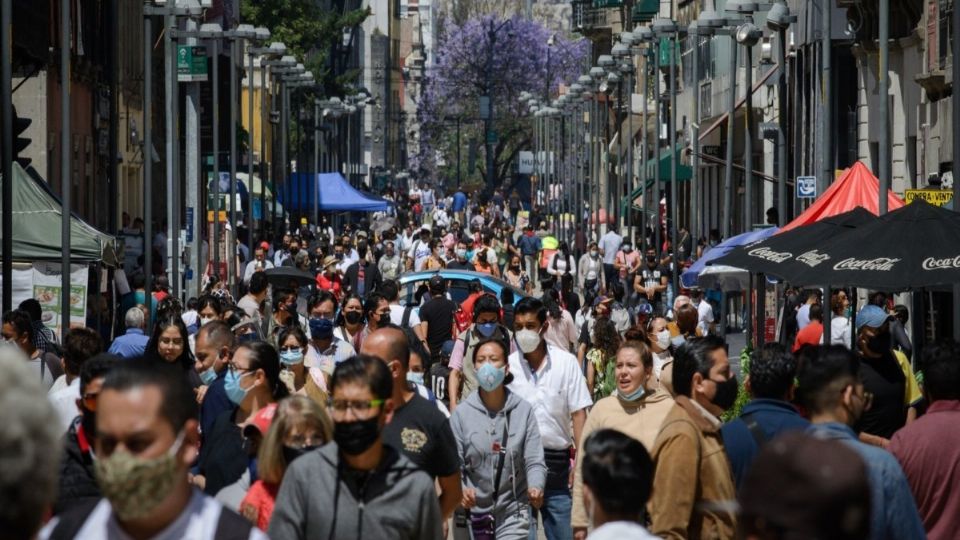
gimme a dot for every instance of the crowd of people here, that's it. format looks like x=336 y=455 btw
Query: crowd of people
x=589 y=400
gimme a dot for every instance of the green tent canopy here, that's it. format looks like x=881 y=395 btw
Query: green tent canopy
x=36 y=226
x=665 y=162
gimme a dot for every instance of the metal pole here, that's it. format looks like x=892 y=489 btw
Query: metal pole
x=284 y=130
x=955 y=112
x=826 y=104
x=192 y=168
x=883 y=127
x=728 y=172
x=147 y=161
x=65 y=183
x=215 y=241
x=6 y=150
x=782 y=136
x=674 y=203
x=644 y=153
x=250 y=92
x=657 y=150
x=631 y=173
x=113 y=193
x=748 y=141
x=231 y=242
x=173 y=200
x=695 y=143
x=492 y=36
x=316 y=162
x=458 y=154
x=264 y=168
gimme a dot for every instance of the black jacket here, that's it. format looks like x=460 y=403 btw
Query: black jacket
x=372 y=279
x=78 y=485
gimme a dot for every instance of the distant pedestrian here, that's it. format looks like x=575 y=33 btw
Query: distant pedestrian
x=133 y=343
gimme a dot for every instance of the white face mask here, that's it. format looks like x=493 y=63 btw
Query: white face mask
x=663 y=339
x=528 y=340
x=204 y=321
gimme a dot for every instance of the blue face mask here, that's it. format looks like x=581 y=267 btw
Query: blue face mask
x=487 y=329
x=415 y=378
x=231 y=386
x=207 y=376
x=633 y=396
x=489 y=377
x=321 y=328
x=291 y=358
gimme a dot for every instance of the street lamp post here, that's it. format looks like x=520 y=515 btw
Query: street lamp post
x=597 y=74
x=642 y=42
x=627 y=68
x=491 y=43
x=666 y=28
x=778 y=20
x=274 y=50
x=748 y=35
x=731 y=113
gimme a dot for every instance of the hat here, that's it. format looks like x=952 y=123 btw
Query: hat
x=261 y=421
x=265 y=246
x=872 y=316
x=425 y=227
x=829 y=495
x=437 y=283
x=644 y=309
x=600 y=300
x=362 y=233
x=328 y=261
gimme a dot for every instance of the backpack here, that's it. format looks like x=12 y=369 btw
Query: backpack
x=406 y=317
x=462 y=321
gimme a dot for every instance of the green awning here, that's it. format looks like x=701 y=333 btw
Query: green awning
x=36 y=226
x=648 y=173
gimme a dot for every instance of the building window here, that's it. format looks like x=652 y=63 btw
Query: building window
x=945 y=33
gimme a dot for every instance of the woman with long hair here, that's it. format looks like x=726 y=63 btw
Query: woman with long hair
x=299 y=425
x=170 y=344
x=601 y=358
x=292 y=345
x=350 y=321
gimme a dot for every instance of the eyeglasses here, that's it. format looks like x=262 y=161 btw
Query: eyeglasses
x=90 y=401
x=359 y=408
x=303 y=441
x=237 y=369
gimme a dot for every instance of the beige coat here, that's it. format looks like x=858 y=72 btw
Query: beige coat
x=693 y=488
x=640 y=420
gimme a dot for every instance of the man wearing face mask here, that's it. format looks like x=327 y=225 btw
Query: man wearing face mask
x=417 y=429
x=390 y=264
x=886 y=375
x=550 y=379
x=357 y=487
x=284 y=314
x=831 y=389
x=486 y=324
x=214 y=343
x=651 y=281
x=362 y=277
x=78 y=483
x=461 y=262
x=692 y=471
x=147 y=433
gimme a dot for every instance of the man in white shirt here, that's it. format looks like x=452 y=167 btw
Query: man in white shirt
x=609 y=246
x=402 y=316
x=704 y=312
x=259 y=262
x=283 y=253
x=803 y=313
x=550 y=379
x=80 y=345
x=420 y=249
x=148 y=414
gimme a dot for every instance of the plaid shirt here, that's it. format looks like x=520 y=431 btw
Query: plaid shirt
x=44 y=339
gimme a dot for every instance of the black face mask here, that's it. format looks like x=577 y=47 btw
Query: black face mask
x=356 y=437
x=88 y=422
x=294 y=251
x=290 y=453
x=353 y=317
x=726 y=394
x=880 y=343
x=651 y=259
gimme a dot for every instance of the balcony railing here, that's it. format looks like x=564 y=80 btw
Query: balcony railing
x=586 y=17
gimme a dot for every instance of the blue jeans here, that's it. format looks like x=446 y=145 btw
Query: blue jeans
x=557 y=508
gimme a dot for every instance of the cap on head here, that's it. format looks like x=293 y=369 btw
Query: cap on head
x=872 y=316
x=437 y=283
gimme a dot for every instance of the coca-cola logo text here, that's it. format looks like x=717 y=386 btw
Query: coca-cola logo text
x=880 y=264
x=812 y=258
x=770 y=255
x=931 y=263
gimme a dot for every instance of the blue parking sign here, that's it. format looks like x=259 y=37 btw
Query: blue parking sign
x=806 y=187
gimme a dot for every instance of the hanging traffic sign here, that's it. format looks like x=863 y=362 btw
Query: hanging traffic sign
x=806 y=187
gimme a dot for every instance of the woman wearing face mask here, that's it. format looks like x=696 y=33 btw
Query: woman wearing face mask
x=299 y=426
x=636 y=408
x=516 y=276
x=437 y=258
x=169 y=344
x=659 y=336
x=377 y=311
x=252 y=382
x=292 y=345
x=350 y=322
x=561 y=263
x=590 y=274
x=498 y=440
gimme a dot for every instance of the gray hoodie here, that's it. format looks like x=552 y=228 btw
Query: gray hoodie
x=320 y=499
x=476 y=430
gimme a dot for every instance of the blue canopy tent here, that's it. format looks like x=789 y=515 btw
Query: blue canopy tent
x=726 y=277
x=329 y=191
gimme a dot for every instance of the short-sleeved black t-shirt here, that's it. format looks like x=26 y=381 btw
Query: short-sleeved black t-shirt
x=651 y=277
x=438 y=314
x=885 y=380
x=423 y=434
x=457 y=265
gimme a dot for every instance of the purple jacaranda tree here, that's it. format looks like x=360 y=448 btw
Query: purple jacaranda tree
x=522 y=61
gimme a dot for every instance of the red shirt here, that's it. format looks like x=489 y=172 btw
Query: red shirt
x=810 y=335
x=929 y=452
x=257 y=506
x=334 y=285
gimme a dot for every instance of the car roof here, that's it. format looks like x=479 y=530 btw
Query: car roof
x=465 y=275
